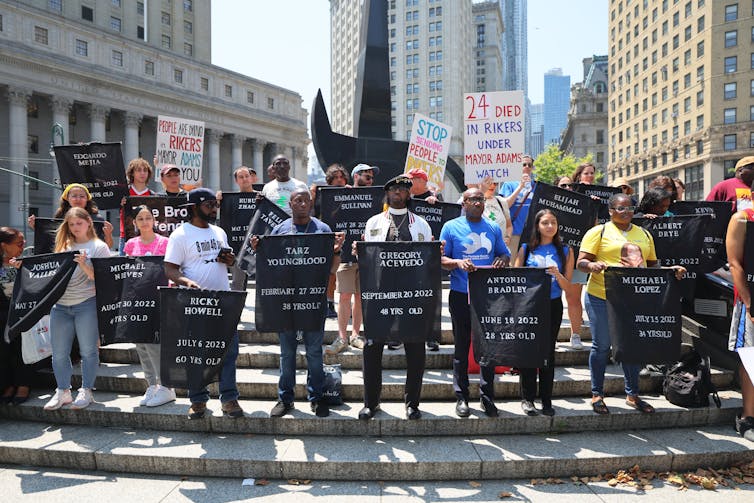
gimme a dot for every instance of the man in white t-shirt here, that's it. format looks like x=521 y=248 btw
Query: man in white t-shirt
x=195 y=259
x=280 y=189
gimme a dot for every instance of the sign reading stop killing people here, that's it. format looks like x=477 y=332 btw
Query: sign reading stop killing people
x=98 y=166
x=181 y=142
x=510 y=316
x=494 y=132
x=428 y=149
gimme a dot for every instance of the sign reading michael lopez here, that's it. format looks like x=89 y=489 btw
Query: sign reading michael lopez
x=428 y=149
x=181 y=142
x=493 y=135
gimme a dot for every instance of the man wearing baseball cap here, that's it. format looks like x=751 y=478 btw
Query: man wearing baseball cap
x=737 y=190
x=192 y=260
x=419 y=189
x=170 y=176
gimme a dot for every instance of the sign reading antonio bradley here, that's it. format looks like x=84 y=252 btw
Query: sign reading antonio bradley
x=181 y=142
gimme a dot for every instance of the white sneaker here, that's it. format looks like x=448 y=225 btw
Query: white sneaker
x=60 y=398
x=148 y=395
x=161 y=396
x=576 y=341
x=83 y=399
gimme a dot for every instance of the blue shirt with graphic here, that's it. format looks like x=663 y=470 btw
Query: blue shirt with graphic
x=546 y=256
x=520 y=208
x=479 y=241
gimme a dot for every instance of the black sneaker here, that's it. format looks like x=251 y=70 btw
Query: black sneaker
x=331 y=310
x=528 y=407
x=413 y=413
x=280 y=409
x=320 y=409
x=745 y=427
x=393 y=345
x=462 y=408
x=433 y=346
x=489 y=407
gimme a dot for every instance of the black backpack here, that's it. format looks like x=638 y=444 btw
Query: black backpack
x=688 y=383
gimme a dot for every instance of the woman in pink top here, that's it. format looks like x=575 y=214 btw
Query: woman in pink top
x=148 y=242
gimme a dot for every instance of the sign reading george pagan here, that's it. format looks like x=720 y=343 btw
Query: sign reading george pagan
x=168 y=213
x=39 y=284
x=236 y=212
x=45 y=230
x=266 y=217
x=510 y=316
x=713 y=250
x=128 y=307
x=435 y=214
x=347 y=210
x=644 y=314
x=575 y=213
x=181 y=142
x=292 y=275
x=196 y=330
x=602 y=192
x=400 y=289
x=97 y=166
x=678 y=241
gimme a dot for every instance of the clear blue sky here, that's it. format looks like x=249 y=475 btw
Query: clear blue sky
x=287 y=42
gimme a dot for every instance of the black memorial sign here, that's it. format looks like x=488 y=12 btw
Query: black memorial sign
x=749 y=252
x=510 y=316
x=435 y=214
x=41 y=281
x=266 y=217
x=168 y=213
x=400 y=289
x=575 y=212
x=98 y=166
x=713 y=250
x=644 y=314
x=128 y=307
x=196 y=330
x=347 y=210
x=236 y=212
x=602 y=192
x=45 y=230
x=292 y=275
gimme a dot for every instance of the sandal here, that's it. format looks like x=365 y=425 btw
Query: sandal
x=640 y=405
x=599 y=407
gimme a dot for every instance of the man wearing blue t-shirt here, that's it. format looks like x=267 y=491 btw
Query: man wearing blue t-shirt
x=470 y=241
x=519 y=196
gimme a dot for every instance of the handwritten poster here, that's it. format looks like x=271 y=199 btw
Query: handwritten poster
x=181 y=142
x=428 y=149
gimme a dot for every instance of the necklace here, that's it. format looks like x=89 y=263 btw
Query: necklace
x=394 y=227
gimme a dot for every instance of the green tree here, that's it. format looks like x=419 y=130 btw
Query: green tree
x=552 y=164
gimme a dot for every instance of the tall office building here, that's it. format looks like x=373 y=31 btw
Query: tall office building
x=515 y=52
x=103 y=70
x=537 y=140
x=557 y=102
x=586 y=131
x=487 y=47
x=681 y=88
x=346 y=19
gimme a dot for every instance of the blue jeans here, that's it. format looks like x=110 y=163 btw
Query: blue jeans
x=228 y=389
x=596 y=308
x=67 y=322
x=315 y=375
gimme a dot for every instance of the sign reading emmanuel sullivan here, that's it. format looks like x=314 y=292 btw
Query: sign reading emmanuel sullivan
x=128 y=307
x=196 y=329
x=644 y=314
x=400 y=289
x=98 y=166
x=292 y=275
x=510 y=316
x=347 y=210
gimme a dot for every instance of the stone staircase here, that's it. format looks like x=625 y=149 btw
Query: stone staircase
x=116 y=434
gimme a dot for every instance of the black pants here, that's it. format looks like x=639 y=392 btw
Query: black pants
x=460 y=315
x=415 y=357
x=528 y=377
x=13 y=370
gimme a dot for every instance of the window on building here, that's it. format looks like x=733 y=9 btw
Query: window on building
x=687 y=127
x=731 y=12
x=204 y=83
x=178 y=76
x=82 y=47
x=148 y=67
x=165 y=16
x=700 y=24
x=40 y=35
x=699 y=122
x=250 y=97
x=87 y=13
x=140 y=33
x=751 y=140
x=32 y=143
x=188 y=27
x=116 y=59
x=687 y=34
x=600 y=137
x=694 y=181
x=56 y=5
x=700 y=49
x=729 y=116
x=729 y=91
x=188 y=5
x=271 y=103
x=731 y=38
x=731 y=64
x=166 y=42
x=115 y=3
x=140 y=8
x=729 y=142
x=751 y=86
x=751 y=113
x=699 y=98
x=228 y=91
x=115 y=23
x=188 y=49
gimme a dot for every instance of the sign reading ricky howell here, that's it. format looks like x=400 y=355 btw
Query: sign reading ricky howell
x=510 y=316
x=292 y=275
x=400 y=289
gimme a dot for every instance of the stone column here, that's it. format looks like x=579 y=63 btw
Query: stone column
x=211 y=175
x=97 y=116
x=61 y=110
x=18 y=151
x=131 y=123
x=258 y=163
x=236 y=154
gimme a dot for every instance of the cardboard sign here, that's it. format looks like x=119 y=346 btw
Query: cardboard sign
x=181 y=142
x=428 y=149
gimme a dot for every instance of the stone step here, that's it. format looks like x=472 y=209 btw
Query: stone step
x=467 y=457
x=438 y=418
x=268 y=356
x=437 y=384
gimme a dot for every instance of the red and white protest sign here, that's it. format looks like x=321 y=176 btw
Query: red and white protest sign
x=181 y=142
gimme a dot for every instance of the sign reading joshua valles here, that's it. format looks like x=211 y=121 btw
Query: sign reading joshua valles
x=428 y=149
x=493 y=135
x=181 y=142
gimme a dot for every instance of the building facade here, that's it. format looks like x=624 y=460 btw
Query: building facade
x=537 y=140
x=92 y=68
x=557 y=103
x=681 y=90
x=586 y=130
x=487 y=48
x=516 y=56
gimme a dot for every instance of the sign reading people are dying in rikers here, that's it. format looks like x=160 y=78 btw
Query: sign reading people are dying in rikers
x=181 y=142
x=493 y=135
x=428 y=149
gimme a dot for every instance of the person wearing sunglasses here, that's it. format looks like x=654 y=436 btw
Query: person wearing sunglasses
x=279 y=189
x=519 y=195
